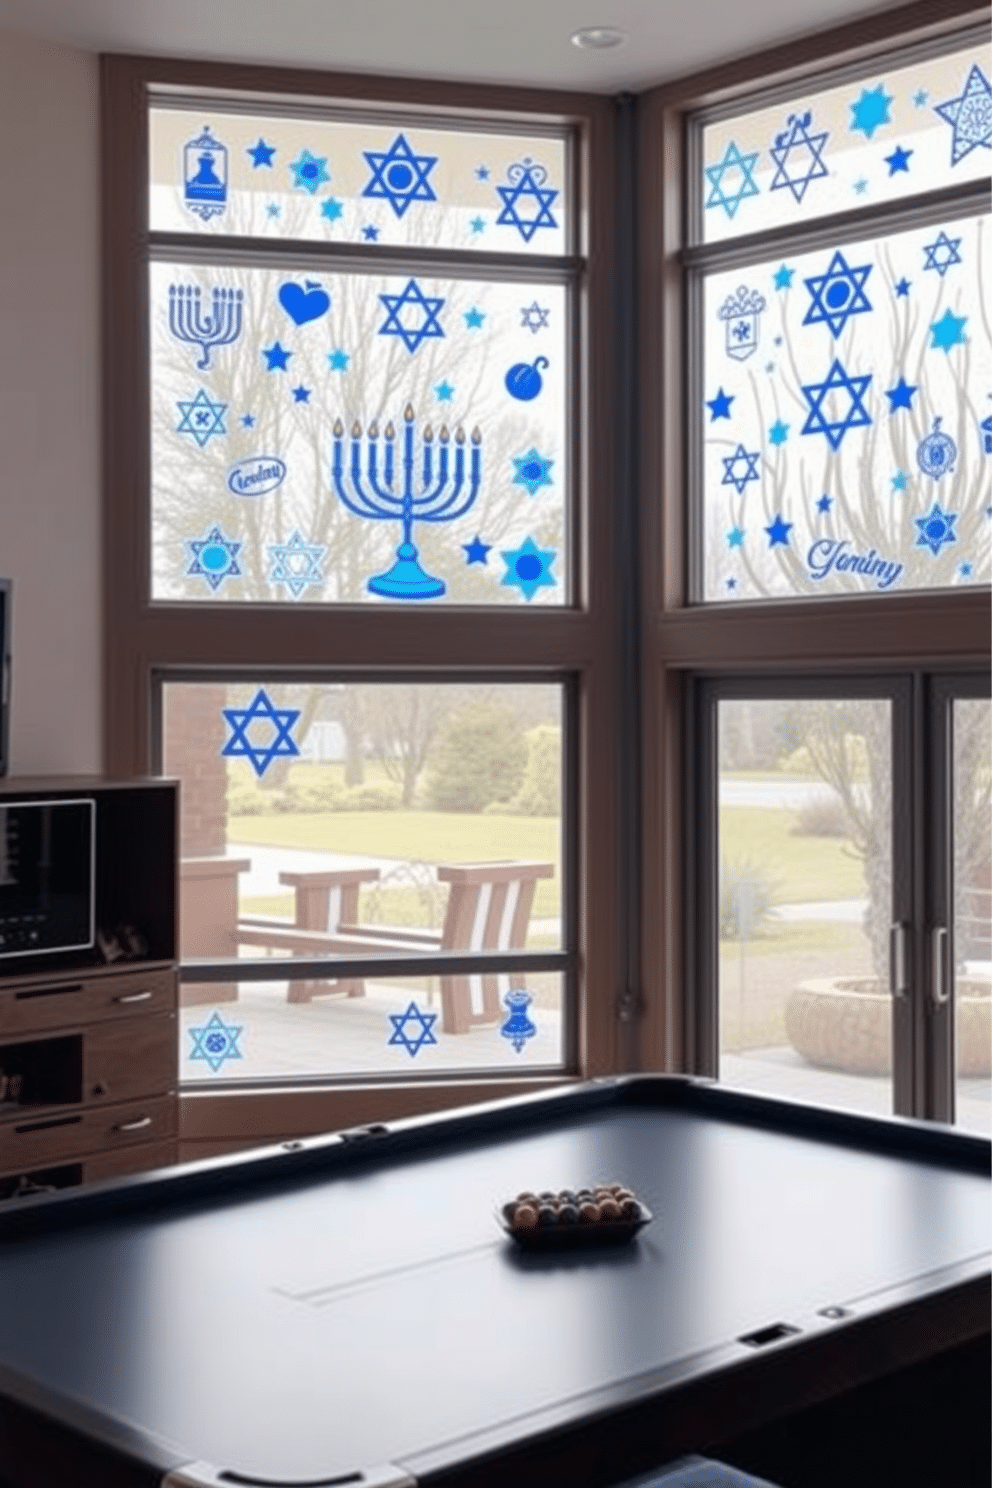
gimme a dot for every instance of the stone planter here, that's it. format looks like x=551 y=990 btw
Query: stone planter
x=847 y=1025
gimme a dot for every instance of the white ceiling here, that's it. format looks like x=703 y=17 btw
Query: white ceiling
x=506 y=41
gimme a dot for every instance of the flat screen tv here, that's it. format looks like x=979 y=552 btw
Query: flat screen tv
x=47 y=881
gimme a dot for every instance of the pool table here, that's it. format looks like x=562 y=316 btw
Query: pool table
x=347 y=1309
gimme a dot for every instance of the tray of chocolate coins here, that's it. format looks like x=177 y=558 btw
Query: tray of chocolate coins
x=574 y=1219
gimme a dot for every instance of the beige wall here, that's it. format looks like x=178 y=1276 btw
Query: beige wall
x=50 y=400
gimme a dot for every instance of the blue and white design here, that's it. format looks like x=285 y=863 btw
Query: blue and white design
x=937 y=453
x=796 y=141
x=901 y=396
x=205 y=168
x=261 y=710
x=523 y=381
x=528 y=568
x=821 y=397
x=202 y=418
x=309 y=172
x=986 y=428
x=397 y=322
x=778 y=532
x=256 y=476
x=740 y=467
x=261 y=154
x=297 y=564
x=936 y=529
x=215 y=1041
x=221 y=326
x=871 y=111
x=305 y=302
x=527 y=188
x=276 y=357
x=740 y=169
x=477 y=551
x=948 y=331
x=741 y=312
x=399 y=175
x=214 y=558
x=413 y=1029
x=969 y=115
x=942 y=253
x=838 y=294
x=518 y=1028
x=534 y=317
x=532 y=470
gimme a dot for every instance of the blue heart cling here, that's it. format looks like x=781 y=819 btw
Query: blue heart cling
x=303 y=304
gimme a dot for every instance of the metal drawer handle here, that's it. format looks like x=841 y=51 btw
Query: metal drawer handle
x=129 y=1126
x=938 y=950
x=134 y=997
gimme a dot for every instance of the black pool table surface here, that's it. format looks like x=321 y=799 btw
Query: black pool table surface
x=348 y=1310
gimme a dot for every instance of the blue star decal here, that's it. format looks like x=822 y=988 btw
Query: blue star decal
x=423 y=1023
x=532 y=471
x=482 y=173
x=261 y=710
x=948 y=250
x=901 y=396
x=216 y=1041
x=331 y=209
x=370 y=233
x=412 y=298
x=733 y=162
x=739 y=468
x=838 y=294
x=272 y=209
x=201 y=418
x=528 y=568
x=778 y=433
x=477 y=551
x=533 y=317
x=735 y=537
x=444 y=392
x=821 y=399
x=861 y=186
x=948 y=331
x=261 y=154
x=936 y=529
x=969 y=115
x=526 y=180
x=478 y=224
x=310 y=171
x=902 y=288
x=825 y=503
x=778 y=532
x=920 y=97
x=215 y=558
x=796 y=140
x=296 y=564
x=900 y=481
x=474 y=319
x=399 y=175
x=783 y=277
x=301 y=394
x=731 y=583
x=871 y=110
x=986 y=428
x=965 y=570
x=719 y=406
x=338 y=360
x=898 y=160
x=276 y=357
x=248 y=421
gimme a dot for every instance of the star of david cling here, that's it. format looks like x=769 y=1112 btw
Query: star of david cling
x=528 y=568
x=732 y=161
x=936 y=529
x=533 y=317
x=969 y=115
x=399 y=175
x=821 y=399
x=946 y=248
x=412 y=297
x=424 y=1022
x=526 y=180
x=532 y=470
x=261 y=709
x=216 y=1041
x=201 y=418
x=796 y=140
x=740 y=467
x=838 y=294
x=215 y=558
x=296 y=564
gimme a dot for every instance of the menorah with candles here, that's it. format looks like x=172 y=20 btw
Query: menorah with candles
x=445 y=491
x=217 y=327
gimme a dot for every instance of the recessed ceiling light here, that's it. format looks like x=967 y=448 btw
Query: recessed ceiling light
x=598 y=38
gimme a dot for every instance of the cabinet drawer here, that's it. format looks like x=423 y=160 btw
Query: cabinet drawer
x=54 y=1002
x=127 y=1060
x=45 y=1138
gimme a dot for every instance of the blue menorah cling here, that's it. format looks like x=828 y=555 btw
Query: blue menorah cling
x=219 y=327
x=445 y=491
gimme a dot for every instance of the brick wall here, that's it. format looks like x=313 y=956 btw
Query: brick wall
x=194 y=736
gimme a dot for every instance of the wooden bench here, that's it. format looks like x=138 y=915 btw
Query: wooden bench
x=324 y=897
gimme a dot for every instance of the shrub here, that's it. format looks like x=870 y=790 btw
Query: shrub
x=480 y=756
x=370 y=797
x=248 y=800
x=747 y=896
x=825 y=817
x=540 y=793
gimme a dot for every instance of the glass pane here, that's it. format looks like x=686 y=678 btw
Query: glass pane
x=973 y=912
x=360 y=818
x=331 y=438
x=339 y=181
x=887 y=136
x=805 y=900
x=846 y=419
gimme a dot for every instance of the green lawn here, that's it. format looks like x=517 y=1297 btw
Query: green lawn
x=798 y=868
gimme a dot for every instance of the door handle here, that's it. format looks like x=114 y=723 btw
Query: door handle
x=897 y=960
x=938 y=965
